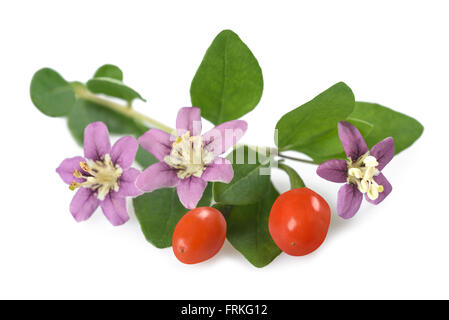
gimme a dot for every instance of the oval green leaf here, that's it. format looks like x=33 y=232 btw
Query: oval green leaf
x=159 y=211
x=114 y=88
x=247 y=230
x=109 y=71
x=316 y=118
x=386 y=122
x=248 y=185
x=229 y=82
x=51 y=94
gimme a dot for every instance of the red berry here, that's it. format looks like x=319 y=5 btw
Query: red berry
x=199 y=235
x=299 y=221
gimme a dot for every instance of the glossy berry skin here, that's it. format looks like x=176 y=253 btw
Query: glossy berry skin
x=199 y=235
x=299 y=221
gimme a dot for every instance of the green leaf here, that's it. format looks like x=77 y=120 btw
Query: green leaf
x=329 y=145
x=225 y=209
x=144 y=158
x=318 y=117
x=248 y=185
x=114 y=88
x=159 y=211
x=229 y=82
x=295 y=179
x=247 y=230
x=109 y=71
x=51 y=94
x=375 y=123
x=388 y=123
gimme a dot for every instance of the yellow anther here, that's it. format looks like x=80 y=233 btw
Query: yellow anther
x=178 y=140
x=380 y=188
x=77 y=174
x=84 y=166
x=74 y=185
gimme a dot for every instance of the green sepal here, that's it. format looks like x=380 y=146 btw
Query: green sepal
x=295 y=179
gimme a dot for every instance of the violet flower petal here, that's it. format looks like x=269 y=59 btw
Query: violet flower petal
x=114 y=208
x=189 y=119
x=334 y=170
x=83 y=204
x=127 y=183
x=349 y=201
x=124 y=151
x=352 y=141
x=96 y=141
x=219 y=170
x=383 y=151
x=224 y=136
x=381 y=180
x=190 y=190
x=67 y=167
x=157 y=142
x=158 y=175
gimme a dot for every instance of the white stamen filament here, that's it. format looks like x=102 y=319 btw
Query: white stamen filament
x=370 y=161
x=189 y=156
x=362 y=173
x=356 y=172
x=103 y=176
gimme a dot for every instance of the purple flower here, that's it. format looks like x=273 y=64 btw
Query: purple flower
x=189 y=160
x=361 y=172
x=104 y=176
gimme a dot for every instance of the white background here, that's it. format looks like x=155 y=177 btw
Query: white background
x=394 y=53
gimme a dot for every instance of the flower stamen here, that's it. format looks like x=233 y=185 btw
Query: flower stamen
x=362 y=173
x=77 y=174
x=74 y=185
x=189 y=156
x=101 y=176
